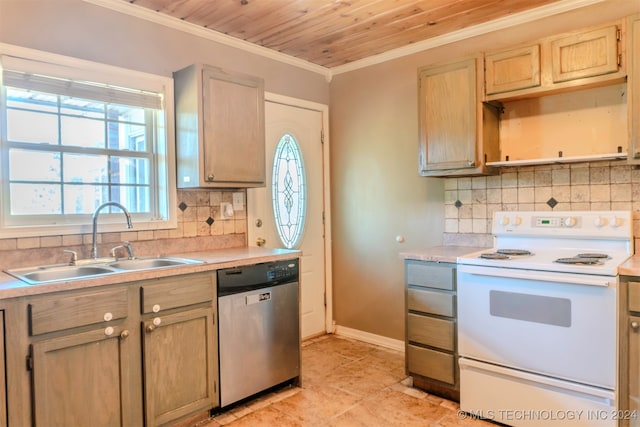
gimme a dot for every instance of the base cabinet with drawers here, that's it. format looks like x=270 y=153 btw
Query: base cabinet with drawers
x=134 y=354
x=431 y=349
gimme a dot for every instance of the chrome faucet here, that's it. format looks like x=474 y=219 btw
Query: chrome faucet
x=94 y=246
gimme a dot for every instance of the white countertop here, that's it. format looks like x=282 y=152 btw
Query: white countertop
x=10 y=287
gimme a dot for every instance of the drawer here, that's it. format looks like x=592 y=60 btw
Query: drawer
x=431 y=364
x=434 y=302
x=176 y=291
x=79 y=309
x=431 y=275
x=634 y=296
x=430 y=331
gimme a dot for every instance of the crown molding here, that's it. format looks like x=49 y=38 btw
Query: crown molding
x=495 y=25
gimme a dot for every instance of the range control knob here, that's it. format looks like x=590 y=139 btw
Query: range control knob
x=569 y=221
x=616 y=222
x=504 y=220
x=516 y=220
x=600 y=222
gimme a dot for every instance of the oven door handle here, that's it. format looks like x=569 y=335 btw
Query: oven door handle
x=539 y=276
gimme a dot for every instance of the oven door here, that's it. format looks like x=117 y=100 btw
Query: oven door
x=539 y=322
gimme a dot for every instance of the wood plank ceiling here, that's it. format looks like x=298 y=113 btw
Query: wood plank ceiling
x=335 y=32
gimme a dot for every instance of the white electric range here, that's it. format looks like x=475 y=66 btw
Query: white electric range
x=537 y=319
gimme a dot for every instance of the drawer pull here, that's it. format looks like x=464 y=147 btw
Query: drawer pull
x=634 y=325
x=157 y=321
x=108 y=331
x=155 y=308
x=107 y=316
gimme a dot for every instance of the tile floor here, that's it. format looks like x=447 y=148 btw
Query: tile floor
x=346 y=383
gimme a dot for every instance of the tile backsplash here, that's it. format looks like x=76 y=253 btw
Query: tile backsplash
x=471 y=202
x=200 y=227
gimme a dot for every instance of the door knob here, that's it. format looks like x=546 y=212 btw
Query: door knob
x=260 y=241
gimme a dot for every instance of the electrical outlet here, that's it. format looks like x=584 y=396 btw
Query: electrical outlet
x=238 y=201
x=226 y=210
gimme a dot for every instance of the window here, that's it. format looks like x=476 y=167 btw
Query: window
x=69 y=144
x=289 y=191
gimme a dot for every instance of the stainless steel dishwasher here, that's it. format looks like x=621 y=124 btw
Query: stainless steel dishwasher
x=258 y=327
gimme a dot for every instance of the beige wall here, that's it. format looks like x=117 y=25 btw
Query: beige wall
x=377 y=195
x=376 y=191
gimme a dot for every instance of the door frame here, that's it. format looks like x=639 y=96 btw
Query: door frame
x=324 y=110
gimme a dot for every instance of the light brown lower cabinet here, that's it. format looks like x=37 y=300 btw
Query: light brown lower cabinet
x=83 y=379
x=3 y=379
x=136 y=354
x=179 y=357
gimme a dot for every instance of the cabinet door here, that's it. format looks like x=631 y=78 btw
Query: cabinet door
x=83 y=379
x=587 y=54
x=512 y=69
x=447 y=107
x=180 y=365
x=233 y=108
x=634 y=370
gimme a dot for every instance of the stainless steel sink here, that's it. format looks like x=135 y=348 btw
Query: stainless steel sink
x=151 y=263
x=53 y=273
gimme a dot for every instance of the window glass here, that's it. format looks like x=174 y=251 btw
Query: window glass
x=289 y=191
x=68 y=146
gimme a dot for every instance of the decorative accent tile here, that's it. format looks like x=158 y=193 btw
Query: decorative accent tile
x=457 y=204
x=210 y=220
x=182 y=206
x=552 y=202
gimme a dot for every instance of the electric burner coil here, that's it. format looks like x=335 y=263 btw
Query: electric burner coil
x=579 y=261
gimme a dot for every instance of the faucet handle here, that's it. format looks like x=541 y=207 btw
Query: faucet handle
x=74 y=256
x=129 y=249
x=124 y=245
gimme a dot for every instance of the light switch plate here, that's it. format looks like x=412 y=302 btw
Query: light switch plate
x=238 y=201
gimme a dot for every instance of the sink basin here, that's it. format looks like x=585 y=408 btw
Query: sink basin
x=151 y=263
x=52 y=273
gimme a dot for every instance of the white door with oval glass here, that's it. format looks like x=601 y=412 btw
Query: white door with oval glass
x=288 y=211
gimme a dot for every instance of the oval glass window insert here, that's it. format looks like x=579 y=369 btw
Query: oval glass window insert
x=289 y=191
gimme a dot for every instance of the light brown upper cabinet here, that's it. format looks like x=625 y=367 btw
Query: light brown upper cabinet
x=458 y=133
x=219 y=128
x=567 y=62
x=585 y=54
x=512 y=69
x=633 y=87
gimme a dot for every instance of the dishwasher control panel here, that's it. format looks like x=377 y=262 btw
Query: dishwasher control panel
x=256 y=276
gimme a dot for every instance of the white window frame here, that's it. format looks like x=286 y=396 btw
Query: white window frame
x=49 y=64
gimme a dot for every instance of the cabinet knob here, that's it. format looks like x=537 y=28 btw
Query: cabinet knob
x=124 y=334
x=634 y=325
x=150 y=328
x=210 y=177
x=108 y=331
x=107 y=316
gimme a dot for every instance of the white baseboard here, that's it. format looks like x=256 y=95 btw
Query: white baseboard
x=369 y=338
